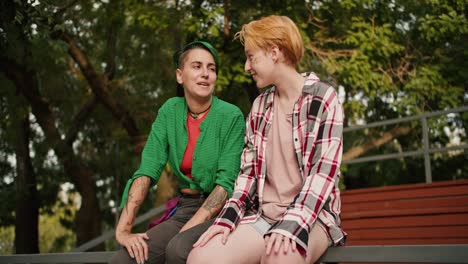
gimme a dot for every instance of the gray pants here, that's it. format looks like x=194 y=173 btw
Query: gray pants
x=166 y=244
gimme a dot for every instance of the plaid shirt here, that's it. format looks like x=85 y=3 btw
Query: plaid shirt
x=317 y=135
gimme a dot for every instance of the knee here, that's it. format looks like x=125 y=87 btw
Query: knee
x=198 y=256
x=177 y=251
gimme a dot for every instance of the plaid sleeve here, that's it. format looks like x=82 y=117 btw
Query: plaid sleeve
x=243 y=195
x=322 y=151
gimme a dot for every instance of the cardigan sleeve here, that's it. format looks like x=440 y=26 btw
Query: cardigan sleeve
x=229 y=156
x=245 y=188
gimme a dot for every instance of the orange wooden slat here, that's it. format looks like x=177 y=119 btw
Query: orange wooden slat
x=388 y=195
x=453 y=188
x=402 y=212
x=451 y=201
x=405 y=241
x=410 y=232
x=407 y=221
x=406 y=187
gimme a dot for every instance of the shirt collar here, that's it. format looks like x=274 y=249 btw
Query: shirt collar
x=311 y=78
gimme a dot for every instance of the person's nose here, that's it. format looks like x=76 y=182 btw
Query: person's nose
x=205 y=73
x=247 y=66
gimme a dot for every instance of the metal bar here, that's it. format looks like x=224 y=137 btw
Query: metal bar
x=403 y=253
x=384 y=157
x=404 y=154
x=427 y=158
x=98 y=240
x=77 y=257
x=406 y=119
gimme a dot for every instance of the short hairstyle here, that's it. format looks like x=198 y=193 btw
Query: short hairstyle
x=274 y=30
x=180 y=56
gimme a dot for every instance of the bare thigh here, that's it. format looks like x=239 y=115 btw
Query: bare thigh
x=317 y=245
x=244 y=245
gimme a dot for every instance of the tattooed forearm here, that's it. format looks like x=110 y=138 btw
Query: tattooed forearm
x=136 y=197
x=215 y=201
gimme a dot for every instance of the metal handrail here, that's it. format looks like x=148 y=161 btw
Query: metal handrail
x=406 y=119
x=98 y=240
x=426 y=151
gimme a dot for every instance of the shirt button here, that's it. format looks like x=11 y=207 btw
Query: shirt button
x=295 y=139
x=296 y=114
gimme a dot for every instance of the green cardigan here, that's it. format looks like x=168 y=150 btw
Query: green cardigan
x=216 y=159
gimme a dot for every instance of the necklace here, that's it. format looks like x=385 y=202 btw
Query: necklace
x=195 y=115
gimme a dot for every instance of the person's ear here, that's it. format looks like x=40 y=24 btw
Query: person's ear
x=274 y=53
x=179 y=76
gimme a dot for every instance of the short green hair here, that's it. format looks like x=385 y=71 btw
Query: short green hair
x=196 y=44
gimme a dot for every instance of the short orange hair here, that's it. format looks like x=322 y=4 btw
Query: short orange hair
x=274 y=30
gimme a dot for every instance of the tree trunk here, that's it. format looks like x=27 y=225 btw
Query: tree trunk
x=226 y=32
x=100 y=87
x=27 y=202
x=88 y=220
x=374 y=143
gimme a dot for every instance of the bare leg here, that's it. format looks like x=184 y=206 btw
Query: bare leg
x=244 y=245
x=318 y=243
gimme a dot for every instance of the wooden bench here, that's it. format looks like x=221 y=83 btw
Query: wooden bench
x=418 y=223
x=435 y=213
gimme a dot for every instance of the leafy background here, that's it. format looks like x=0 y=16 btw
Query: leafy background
x=81 y=83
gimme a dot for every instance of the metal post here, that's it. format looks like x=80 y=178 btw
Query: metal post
x=427 y=158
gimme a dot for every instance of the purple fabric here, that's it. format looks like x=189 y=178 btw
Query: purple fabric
x=171 y=206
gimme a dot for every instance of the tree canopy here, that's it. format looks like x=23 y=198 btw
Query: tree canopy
x=81 y=83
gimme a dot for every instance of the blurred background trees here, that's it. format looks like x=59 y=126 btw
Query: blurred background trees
x=81 y=83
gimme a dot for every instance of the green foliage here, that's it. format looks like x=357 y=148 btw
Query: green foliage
x=55 y=229
x=391 y=58
x=7 y=235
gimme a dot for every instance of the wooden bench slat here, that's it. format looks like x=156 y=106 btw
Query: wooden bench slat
x=407 y=241
x=452 y=188
x=388 y=195
x=410 y=232
x=402 y=212
x=420 y=202
x=406 y=221
x=405 y=187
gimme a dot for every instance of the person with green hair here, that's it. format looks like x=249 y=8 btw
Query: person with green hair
x=201 y=137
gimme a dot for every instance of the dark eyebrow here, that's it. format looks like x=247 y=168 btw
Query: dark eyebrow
x=199 y=62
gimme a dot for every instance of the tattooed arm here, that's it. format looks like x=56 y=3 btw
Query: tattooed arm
x=135 y=243
x=210 y=208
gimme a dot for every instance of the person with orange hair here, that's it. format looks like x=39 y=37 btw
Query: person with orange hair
x=285 y=207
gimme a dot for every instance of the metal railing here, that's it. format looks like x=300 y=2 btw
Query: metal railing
x=426 y=151
x=110 y=234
